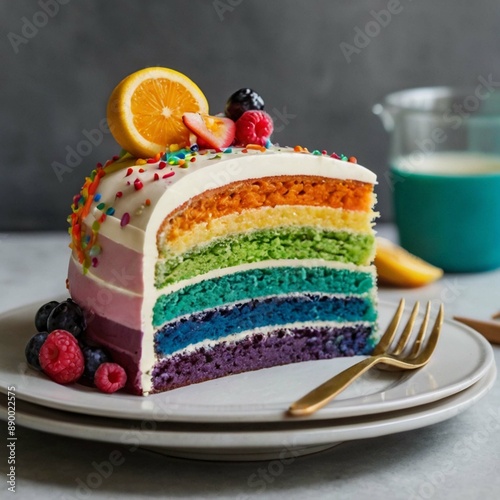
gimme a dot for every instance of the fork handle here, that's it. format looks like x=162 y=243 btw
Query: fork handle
x=324 y=393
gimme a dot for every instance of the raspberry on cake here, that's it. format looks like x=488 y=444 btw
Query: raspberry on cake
x=224 y=260
x=254 y=127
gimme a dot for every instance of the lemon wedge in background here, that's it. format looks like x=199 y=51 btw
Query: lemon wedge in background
x=398 y=267
x=145 y=110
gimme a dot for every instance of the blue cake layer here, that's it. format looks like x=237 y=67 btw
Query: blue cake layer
x=255 y=313
x=256 y=283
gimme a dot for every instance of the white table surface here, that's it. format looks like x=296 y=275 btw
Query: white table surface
x=456 y=459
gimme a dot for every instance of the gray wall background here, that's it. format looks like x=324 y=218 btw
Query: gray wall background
x=59 y=65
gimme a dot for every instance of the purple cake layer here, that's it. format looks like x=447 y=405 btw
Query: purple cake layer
x=282 y=346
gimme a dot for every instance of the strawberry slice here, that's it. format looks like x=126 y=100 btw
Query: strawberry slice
x=210 y=131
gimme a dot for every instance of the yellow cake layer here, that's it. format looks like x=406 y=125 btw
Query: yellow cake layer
x=241 y=196
x=270 y=218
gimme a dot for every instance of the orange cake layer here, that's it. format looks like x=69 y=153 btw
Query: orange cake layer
x=268 y=192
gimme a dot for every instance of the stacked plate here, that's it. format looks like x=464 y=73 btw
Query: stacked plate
x=243 y=417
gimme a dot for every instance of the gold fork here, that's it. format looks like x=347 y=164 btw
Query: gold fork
x=383 y=355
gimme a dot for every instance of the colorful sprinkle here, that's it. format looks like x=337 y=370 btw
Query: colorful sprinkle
x=138 y=184
x=147 y=202
x=162 y=165
x=95 y=262
x=193 y=159
x=140 y=161
x=352 y=159
x=335 y=155
x=316 y=152
x=119 y=194
x=125 y=219
x=97 y=197
x=95 y=250
x=130 y=170
x=101 y=206
x=167 y=175
x=194 y=148
x=110 y=211
x=151 y=160
x=156 y=176
x=256 y=147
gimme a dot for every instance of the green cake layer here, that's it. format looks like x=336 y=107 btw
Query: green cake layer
x=269 y=244
x=257 y=283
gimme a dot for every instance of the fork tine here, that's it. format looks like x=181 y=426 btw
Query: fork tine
x=433 y=337
x=407 y=331
x=421 y=333
x=322 y=394
x=386 y=339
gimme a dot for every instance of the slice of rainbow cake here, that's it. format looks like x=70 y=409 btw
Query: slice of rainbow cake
x=195 y=265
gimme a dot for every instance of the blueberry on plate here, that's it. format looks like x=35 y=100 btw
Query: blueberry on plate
x=42 y=315
x=33 y=349
x=243 y=100
x=93 y=357
x=67 y=316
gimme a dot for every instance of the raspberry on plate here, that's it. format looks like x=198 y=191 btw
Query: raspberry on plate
x=254 y=127
x=110 y=377
x=61 y=358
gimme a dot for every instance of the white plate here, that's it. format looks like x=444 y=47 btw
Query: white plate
x=258 y=441
x=461 y=358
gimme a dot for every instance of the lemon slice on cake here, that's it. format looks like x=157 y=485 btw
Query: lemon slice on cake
x=145 y=110
x=398 y=267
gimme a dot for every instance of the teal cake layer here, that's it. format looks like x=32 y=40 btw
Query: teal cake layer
x=255 y=283
x=269 y=244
